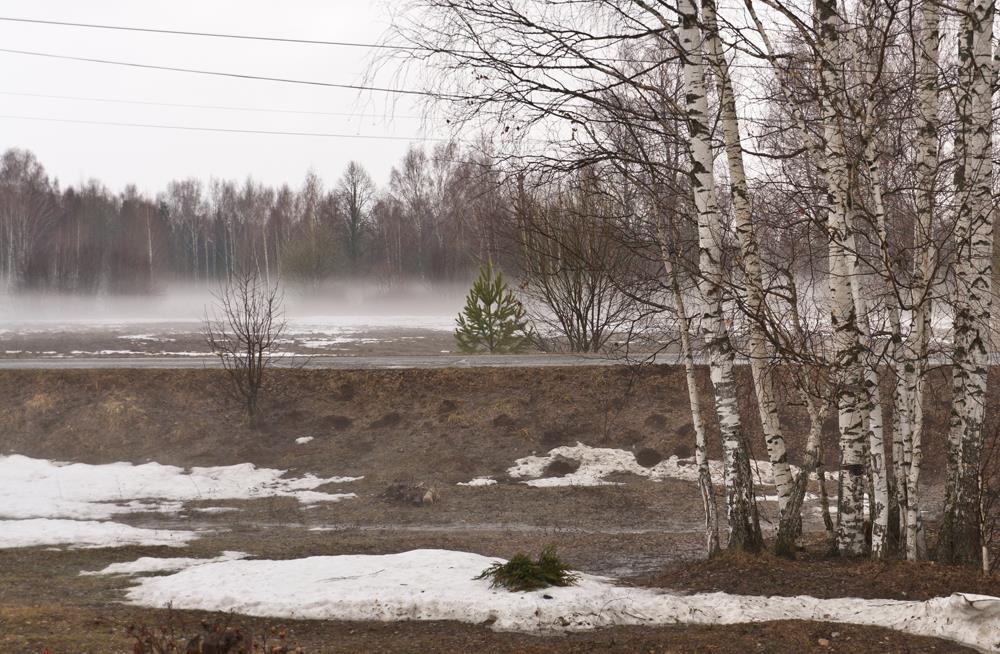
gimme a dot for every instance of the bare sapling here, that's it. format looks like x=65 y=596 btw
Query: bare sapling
x=243 y=329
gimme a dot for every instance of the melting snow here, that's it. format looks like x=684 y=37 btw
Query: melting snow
x=318 y=343
x=85 y=534
x=479 y=481
x=439 y=585
x=38 y=496
x=153 y=564
x=596 y=463
x=38 y=488
x=302 y=440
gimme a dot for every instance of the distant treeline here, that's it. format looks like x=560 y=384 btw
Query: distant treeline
x=442 y=212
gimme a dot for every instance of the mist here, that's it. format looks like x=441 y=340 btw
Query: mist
x=185 y=303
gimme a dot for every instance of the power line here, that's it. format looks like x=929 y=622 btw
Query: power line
x=226 y=130
x=221 y=35
x=284 y=80
x=350 y=44
x=201 y=106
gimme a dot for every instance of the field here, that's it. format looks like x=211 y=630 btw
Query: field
x=432 y=429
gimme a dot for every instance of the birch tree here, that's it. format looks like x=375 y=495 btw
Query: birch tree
x=972 y=295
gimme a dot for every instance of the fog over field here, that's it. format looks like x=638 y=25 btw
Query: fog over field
x=341 y=302
x=335 y=318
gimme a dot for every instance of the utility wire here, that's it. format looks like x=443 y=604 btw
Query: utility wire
x=221 y=35
x=226 y=130
x=202 y=106
x=285 y=80
x=350 y=44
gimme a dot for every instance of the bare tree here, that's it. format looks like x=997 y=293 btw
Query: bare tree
x=573 y=265
x=356 y=194
x=244 y=329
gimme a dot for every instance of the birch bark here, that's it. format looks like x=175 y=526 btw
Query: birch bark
x=973 y=271
x=750 y=259
x=744 y=529
x=694 y=400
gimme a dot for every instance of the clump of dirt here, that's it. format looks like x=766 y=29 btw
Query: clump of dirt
x=560 y=466
x=344 y=393
x=647 y=457
x=405 y=493
x=504 y=421
x=391 y=419
x=656 y=421
x=554 y=437
x=685 y=431
x=682 y=452
x=337 y=423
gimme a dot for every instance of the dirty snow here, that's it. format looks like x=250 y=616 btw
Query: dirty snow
x=38 y=488
x=50 y=502
x=479 y=481
x=439 y=585
x=153 y=564
x=85 y=534
x=596 y=463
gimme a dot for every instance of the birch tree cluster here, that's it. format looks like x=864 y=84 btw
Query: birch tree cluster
x=805 y=187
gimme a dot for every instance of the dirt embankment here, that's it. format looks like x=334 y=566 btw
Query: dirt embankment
x=451 y=423
x=440 y=427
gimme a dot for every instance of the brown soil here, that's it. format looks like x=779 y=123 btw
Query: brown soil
x=450 y=423
x=818 y=576
x=63 y=630
x=431 y=427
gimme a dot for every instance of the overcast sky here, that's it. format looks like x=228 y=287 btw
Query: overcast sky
x=151 y=157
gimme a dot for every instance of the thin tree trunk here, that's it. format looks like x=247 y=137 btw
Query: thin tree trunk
x=973 y=269
x=750 y=255
x=694 y=399
x=744 y=529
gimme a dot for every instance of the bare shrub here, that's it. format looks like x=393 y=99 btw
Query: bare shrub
x=243 y=330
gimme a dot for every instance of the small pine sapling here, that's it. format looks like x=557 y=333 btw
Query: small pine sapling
x=493 y=320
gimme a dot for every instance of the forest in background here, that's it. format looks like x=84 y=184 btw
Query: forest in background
x=440 y=214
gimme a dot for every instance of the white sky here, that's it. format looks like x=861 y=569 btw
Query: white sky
x=151 y=157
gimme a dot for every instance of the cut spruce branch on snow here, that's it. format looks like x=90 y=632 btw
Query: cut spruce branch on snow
x=596 y=463
x=441 y=585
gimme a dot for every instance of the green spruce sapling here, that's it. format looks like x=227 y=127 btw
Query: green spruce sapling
x=493 y=319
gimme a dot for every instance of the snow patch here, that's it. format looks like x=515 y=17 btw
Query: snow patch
x=51 y=502
x=319 y=343
x=85 y=534
x=596 y=463
x=153 y=564
x=439 y=585
x=38 y=488
x=302 y=440
x=479 y=481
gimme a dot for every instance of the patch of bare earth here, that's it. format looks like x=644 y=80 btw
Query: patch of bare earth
x=418 y=427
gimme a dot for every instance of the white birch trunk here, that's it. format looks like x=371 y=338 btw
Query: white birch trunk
x=973 y=270
x=844 y=321
x=694 y=400
x=744 y=530
x=750 y=260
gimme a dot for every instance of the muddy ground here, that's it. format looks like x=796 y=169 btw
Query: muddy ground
x=436 y=427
